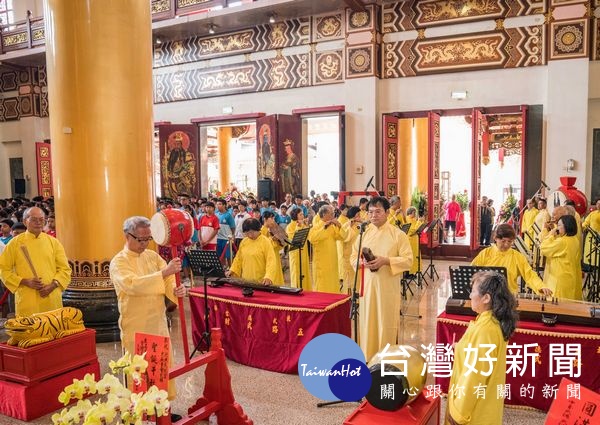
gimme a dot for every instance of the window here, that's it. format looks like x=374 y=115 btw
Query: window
x=6 y=12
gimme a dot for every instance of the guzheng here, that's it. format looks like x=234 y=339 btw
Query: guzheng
x=242 y=283
x=548 y=311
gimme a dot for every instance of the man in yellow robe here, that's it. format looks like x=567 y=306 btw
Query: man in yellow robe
x=527 y=223
x=503 y=255
x=276 y=246
x=44 y=292
x=343 y=219
x=351 y=228
x=396 y=215
x=543 y=216
x=379 y=308
x=411 y=217
x=298 y=256
x=592 y=221
x=255 y=259
x=142 y=280
x=323 y=237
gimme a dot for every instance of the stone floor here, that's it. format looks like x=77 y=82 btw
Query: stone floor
x=271 y=398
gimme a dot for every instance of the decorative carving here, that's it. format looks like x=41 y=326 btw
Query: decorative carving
x=90 y=275
x=11 y=109
x=596 y=40
x=188 y=3
x=8 y=81
x=360 y=20
x=328 y=67
x=38 y=34
x=392 y=130
x=293 y=32
x=392 y=189
x=360 y=61
x=392 y=160
x=160 y=6
x=12 y=39
x=328 y=27
x=499 y=24
x=261 y=75
x=569 y=39
x=26 y=105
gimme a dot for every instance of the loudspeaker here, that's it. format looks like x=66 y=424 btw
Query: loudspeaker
x=265 y=189
x=20 y=186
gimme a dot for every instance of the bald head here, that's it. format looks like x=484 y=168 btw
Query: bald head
x=558 y=212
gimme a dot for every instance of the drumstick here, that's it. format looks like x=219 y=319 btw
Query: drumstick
x=29 y=262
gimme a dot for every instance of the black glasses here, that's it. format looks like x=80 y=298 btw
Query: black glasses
x=141 y=240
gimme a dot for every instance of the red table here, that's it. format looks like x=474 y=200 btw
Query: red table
x=449 y=325
x=268 y=330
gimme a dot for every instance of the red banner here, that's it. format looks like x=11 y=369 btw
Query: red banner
x=43 y=156
x=574 y=405
x=158 y=353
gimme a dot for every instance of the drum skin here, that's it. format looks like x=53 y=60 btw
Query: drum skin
x=171 y=227
x=406 y=388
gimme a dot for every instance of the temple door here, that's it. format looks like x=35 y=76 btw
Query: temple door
x=433 y=184
x=289 y=149
x=43 y=155
x=478 y=129
x=389 y=160
x=179 y=164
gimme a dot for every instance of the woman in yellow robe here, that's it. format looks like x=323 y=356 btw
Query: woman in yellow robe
x=255 y=259
x=323 y=237
x=496 y=321
x=502 y=255
x=411 y=217
x=379 y=307
x=269 y=222
x=298 y=222
x=592 y=221
x=563 y=260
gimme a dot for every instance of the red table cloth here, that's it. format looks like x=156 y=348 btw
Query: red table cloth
x=451 y=326
x=269 y=330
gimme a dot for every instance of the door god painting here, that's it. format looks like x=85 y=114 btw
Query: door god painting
x=290 y=169
x=178 y=166
x=266 y=155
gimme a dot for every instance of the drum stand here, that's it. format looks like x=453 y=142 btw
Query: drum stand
x=592 y=278
x=353 y=305
x=431 y=267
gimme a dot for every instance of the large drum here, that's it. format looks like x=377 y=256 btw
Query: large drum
x=171 y=227
x=406 y=388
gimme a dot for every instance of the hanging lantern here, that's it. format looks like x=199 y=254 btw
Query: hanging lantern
x=501 y=156
x=485 y=148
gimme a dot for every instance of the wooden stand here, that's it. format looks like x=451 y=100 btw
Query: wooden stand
x=217 y=397
x=422 y=411
x=32 y=378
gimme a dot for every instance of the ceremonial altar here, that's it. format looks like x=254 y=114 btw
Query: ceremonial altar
x=529 y=390
x=269 y=330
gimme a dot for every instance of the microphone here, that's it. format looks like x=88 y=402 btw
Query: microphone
x=370 y=182
x=364 y=225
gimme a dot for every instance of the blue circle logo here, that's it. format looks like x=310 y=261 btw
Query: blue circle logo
x=332 y=367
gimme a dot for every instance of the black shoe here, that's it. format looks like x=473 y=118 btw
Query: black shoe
x=175 y=417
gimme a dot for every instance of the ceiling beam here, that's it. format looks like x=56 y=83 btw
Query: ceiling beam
x=356 y=5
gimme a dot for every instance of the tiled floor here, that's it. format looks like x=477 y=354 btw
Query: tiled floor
x=271 y=398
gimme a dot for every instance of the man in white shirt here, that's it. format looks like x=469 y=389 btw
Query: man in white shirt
x=239 y=219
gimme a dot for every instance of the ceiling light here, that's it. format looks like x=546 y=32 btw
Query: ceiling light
x=459 y=95
x=272 y=18
x=211 y=29
x=158 y=40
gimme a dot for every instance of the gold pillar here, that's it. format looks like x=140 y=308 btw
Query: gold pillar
x=405 y=165
x=224 y=138
x=422 y=135
x=99 y=63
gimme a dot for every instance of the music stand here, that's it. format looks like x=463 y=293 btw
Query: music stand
x=298 y=242
x=205 y=263
x=461 y=276
x=431 y=267
x=405 y=227
x=418 y=276
x=592 y=277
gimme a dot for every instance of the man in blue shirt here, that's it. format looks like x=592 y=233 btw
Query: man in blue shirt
x=226 y=229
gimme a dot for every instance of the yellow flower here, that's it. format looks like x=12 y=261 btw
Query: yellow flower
x=159 y=398
x=136 y=367
x=108 y=384
x=75 y=390
x=123 y=362
x=77 y=413
x=60 y=418
x=89 y=382
x=118 y=404
x=142 y=405
x=99 y=414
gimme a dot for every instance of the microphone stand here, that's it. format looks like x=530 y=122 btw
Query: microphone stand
x=354 y=303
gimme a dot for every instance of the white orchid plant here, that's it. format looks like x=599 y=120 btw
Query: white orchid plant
x=118 y=404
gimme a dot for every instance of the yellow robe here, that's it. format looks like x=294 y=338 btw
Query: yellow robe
x=50 y=263
x=255 y=260
x=294 y=257
x=516 y=265
x=279 y=279
x=379 y=309
x=396 y=217
x=541 y=219
x=527 y=226
x=592 y=221
x=414 y=242
x=340 y=248
x=563 y=266
x=141 y=292
x=364 y=216
x=347 y=243
x=466 y=408
x=324 y=264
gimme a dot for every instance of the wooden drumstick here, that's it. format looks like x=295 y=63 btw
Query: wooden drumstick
x=28 y=259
